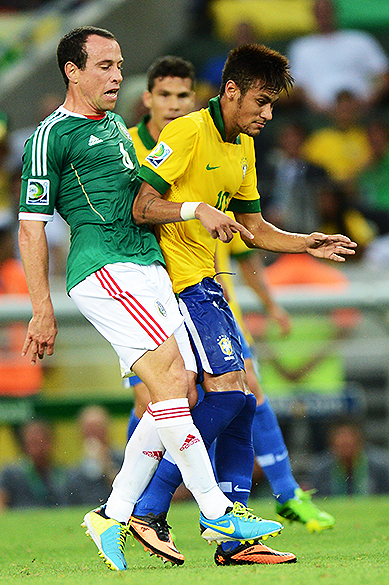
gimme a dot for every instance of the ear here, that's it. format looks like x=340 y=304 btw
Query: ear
x=147 y=99
x=71 y=71
x=231 y=90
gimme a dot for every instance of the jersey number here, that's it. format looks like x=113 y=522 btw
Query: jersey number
x=126 y=157
x=222 y=197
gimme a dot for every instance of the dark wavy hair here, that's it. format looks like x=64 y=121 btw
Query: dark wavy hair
x=248 y=64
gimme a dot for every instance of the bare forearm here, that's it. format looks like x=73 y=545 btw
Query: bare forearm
x=35 y=257
x=42 y=329
x=149 y=208
x=269 y=237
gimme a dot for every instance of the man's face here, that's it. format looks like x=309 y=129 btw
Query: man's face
x=253 y=110
x=98 y=84
x=170 y=98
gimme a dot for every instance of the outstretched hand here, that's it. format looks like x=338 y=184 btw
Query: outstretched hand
x=331 y=247
x=220 y=225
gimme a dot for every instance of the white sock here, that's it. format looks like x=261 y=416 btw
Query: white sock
x=183 y=441
x=143 y=452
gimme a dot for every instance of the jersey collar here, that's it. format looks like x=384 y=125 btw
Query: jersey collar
x=216 y=115
x=144 y=134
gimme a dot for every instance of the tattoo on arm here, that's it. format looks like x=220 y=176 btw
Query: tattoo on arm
x=148 y=205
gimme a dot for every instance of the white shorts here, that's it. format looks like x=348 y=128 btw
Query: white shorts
x=134 y=308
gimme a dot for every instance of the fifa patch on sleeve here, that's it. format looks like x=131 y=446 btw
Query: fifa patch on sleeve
x=38 y=192
x=160 y=153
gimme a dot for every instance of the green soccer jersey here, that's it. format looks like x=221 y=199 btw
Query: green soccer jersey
x=87 y=170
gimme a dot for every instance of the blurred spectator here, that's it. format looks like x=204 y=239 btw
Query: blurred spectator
x=18 y=377
x=15 y=5
x=331 y=60
x=34 y=481
x=6 y=207
x=350 y=467
x=212 y=69
x=372 y=184
x=91 y=480
x=340 y=214
x=289 y=184
x=343 y=147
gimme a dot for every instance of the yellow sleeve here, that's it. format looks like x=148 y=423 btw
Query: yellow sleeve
x=173 y=153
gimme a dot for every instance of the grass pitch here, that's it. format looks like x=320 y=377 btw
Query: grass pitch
x=49 y=547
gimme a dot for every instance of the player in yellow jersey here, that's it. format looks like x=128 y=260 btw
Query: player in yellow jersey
x=170 y=94
x=203 y=164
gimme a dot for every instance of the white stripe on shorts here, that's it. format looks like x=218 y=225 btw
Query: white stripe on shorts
x=195 y=336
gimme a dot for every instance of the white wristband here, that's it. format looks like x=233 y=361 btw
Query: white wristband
x=188 y=209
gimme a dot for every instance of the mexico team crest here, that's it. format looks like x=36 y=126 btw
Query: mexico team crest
x=161 y=308
x=124 y=131
x=160 y=153
x=38 y=192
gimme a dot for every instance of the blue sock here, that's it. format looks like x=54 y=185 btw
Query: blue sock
x=234 y=458
x=132 y=424
x=234 y=454
x=272 y=454
x=211 y=416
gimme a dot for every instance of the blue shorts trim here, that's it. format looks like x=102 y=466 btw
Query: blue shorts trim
x=212 y=328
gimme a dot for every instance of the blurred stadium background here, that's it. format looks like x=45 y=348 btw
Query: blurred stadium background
x=353 y=380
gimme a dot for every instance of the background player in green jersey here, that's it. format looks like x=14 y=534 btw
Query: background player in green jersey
x=207 y=159
x=81 y=161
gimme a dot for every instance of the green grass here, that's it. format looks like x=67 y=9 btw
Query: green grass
x=49 y=547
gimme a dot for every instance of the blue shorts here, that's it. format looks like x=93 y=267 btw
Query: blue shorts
x=215 y=338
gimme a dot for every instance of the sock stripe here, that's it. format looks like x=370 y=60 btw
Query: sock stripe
x=168 y=413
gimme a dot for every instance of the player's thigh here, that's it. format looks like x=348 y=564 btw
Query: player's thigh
x=132 y=306
x=163 y=371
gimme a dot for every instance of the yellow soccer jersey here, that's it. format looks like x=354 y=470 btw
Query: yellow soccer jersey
x=143 y=141
x=193 y=162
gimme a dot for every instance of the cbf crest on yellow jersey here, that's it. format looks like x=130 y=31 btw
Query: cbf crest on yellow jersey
x=193 y=162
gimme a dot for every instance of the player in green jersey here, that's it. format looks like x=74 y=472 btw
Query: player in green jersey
x=80 y=160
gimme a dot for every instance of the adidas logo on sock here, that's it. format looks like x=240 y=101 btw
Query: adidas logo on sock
x=190 y=440
x=94 y=140
x=154 y=454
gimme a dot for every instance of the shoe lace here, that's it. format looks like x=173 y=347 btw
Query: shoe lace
x=244 y=513
x=122 y=536
x=161 y=527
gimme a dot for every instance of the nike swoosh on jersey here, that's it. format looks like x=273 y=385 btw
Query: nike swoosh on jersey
x=224 y=529
x=209 y=168
x=238 y=489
